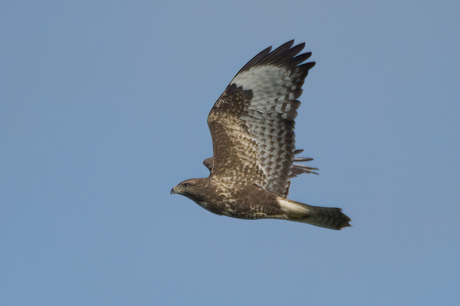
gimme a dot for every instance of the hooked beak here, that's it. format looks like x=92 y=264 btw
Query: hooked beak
x=173 y=191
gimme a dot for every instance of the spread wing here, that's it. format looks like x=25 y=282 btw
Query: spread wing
x=252 y=123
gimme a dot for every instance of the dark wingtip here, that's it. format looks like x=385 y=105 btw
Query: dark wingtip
x=345 y=221
x=286 y=54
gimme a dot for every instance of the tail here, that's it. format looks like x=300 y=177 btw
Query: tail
x=328 y=217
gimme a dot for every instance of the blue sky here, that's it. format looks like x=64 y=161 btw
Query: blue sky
x=103 y=108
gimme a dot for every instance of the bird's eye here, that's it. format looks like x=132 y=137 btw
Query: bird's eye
x=185 y=185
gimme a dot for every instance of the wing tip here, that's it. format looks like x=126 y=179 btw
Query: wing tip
x=286 y=54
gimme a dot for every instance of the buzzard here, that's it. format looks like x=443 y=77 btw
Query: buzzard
x=252 y=129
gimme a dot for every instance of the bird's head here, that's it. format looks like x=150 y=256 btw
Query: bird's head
x=189 y=188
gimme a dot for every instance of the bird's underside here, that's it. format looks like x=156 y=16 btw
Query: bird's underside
x=252 y=129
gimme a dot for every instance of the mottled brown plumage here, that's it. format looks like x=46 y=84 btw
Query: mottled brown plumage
x=252 y=129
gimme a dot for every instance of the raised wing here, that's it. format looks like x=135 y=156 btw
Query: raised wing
x=252 y=123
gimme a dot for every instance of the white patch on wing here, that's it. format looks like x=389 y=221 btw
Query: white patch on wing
x=267 y=83
x=261 y=78
x=291 y=208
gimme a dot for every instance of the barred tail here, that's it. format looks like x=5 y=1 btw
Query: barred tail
x=328 y=217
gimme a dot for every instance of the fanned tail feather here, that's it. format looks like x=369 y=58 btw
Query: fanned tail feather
x=328 y=217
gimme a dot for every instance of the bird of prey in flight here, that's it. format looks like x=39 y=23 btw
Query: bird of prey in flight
x=252 y=129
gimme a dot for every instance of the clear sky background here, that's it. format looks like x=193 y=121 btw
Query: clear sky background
x=103 y=108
